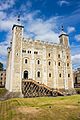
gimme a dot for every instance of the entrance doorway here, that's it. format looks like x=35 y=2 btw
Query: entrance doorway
x=25 y=74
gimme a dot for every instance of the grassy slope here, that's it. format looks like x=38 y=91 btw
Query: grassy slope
x=48 y=108
x=2 y=91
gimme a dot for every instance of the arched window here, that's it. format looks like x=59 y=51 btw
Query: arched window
x=38 y=74
x=68 y=64
x=60 y=75
x=25 y=74
x=49 y=54
x=49 y=63
x=38 y=62
x=68 y=75
x=58 y=55
x=49 y=74
x=67 y=57
x=59 y=64
x=25 y=60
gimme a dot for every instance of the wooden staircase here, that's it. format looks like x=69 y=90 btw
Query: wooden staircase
x=31 y=88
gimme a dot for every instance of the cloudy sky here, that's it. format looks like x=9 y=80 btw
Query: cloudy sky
x=42 y=20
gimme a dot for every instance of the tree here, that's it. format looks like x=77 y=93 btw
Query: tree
x=1 y=66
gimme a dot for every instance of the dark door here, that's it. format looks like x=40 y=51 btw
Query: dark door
x=25 y=74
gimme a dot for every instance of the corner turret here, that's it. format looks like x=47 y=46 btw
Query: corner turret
x=63 y=37
x=14 y=71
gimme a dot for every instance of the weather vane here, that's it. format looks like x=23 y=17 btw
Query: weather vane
x=62 y=28
x=18 y=19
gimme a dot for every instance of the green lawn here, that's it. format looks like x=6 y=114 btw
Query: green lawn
x=45 y=108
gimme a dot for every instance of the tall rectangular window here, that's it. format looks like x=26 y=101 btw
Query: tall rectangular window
x=38 y=74
x=25 y=60
x=58 y=55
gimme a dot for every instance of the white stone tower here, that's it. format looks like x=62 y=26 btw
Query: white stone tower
x=66 y=60
x=14 y=67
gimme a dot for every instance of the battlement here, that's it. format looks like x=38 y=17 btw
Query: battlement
x=33 y=41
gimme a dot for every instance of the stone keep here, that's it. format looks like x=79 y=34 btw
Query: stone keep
x=46 y=63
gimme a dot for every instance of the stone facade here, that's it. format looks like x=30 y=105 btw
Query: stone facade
x=46 y=63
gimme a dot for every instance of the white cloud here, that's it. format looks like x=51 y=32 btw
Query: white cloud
x=5 y=4
x=4 y=45
x=70 y=29
x=3 y=49
x=75 y=49
x=2 y=15
x=77 y=37
x=44 y=30
x=75 y=52
x=3 y=52
x=7 y=22
x=63 y=2
x=5 y=25
x=76 y=59
x=41 y=29
x=49 y=37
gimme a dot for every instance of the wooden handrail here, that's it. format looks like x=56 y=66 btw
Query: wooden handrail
x=42 y=85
